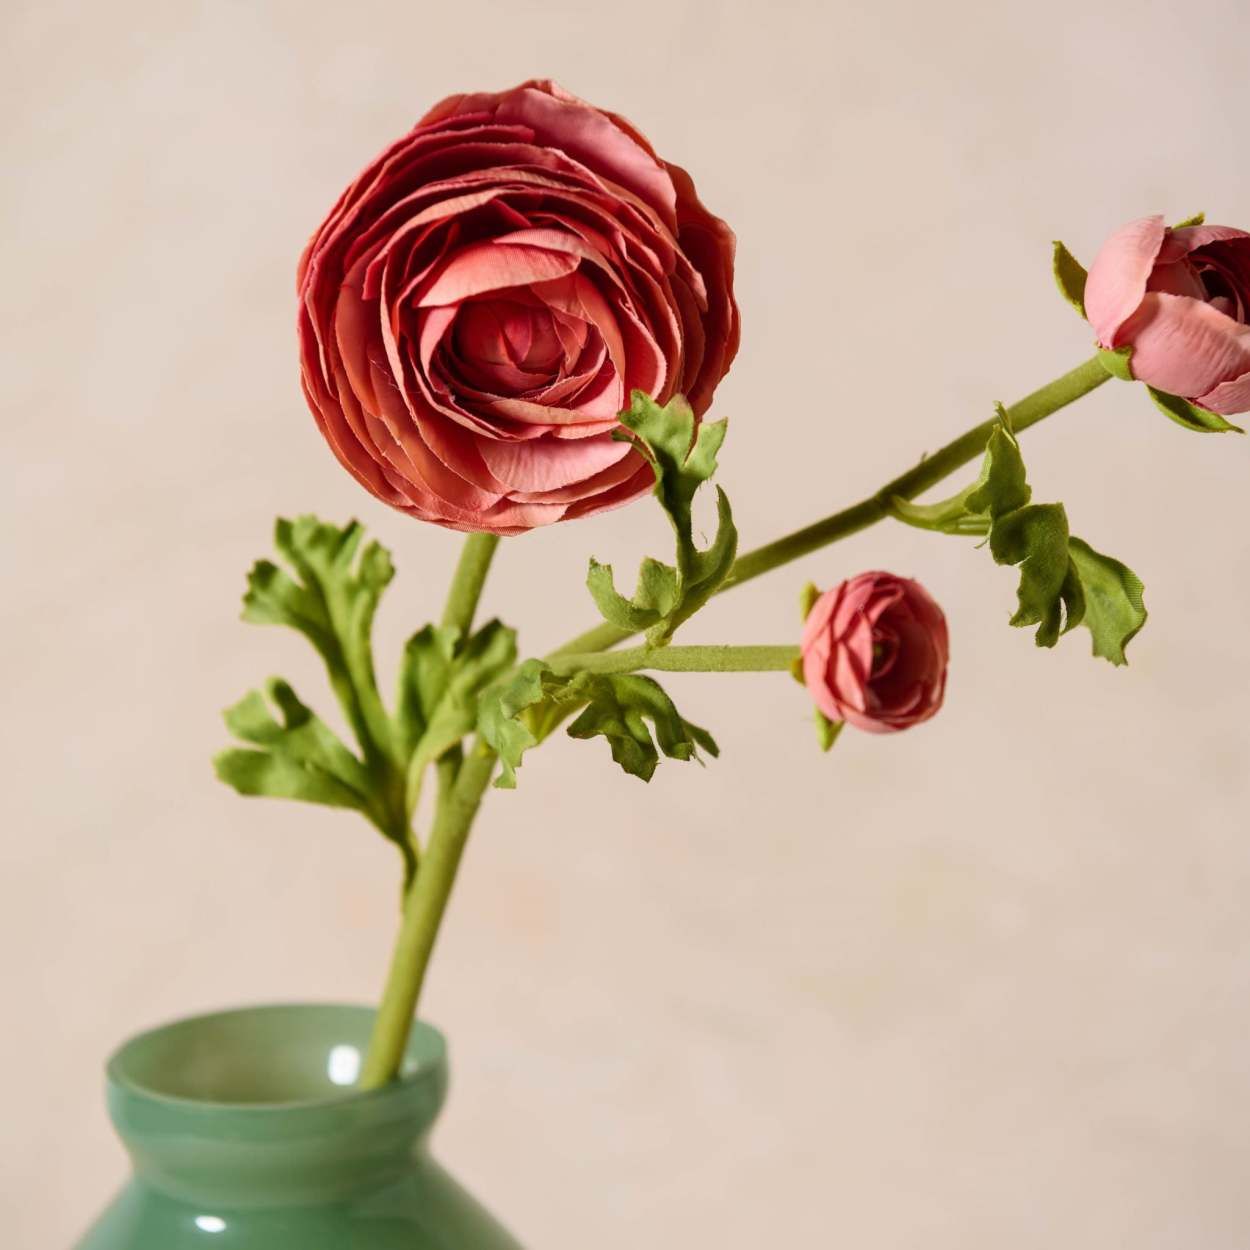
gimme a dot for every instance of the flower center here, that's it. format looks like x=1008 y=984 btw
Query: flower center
x=884 y=651
x=1222 y=293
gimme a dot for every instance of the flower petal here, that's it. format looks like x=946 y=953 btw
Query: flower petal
x=1118 y=276
x=1229 y=398
x=1185 y=347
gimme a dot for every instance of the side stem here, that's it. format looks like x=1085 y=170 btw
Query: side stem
x=928 y=473
x=713 y=659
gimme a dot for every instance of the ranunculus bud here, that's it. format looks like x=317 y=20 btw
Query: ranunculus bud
x=1181 y=300
x=479 y=304
x=875 y=651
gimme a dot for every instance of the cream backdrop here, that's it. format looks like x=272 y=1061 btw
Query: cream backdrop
x=983 y=985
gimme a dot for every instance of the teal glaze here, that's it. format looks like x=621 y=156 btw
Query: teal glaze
x=244 y=1134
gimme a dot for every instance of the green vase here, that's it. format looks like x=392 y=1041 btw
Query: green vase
x=245 y=1134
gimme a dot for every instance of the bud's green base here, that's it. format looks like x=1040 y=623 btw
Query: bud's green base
x=245 y=1134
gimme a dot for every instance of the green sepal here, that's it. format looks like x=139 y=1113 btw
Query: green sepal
x=682 y=452
x=1117 y=362
x=1070 y=277
x=1197 y=219
x=827 y=730
x=1190 y=416
x=807 y=599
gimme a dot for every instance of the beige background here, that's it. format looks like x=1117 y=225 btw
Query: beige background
x=983 y=985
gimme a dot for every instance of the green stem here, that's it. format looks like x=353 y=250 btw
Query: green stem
x=466 y=583
x=459 y=800
x=928 y=473
x=680 y=660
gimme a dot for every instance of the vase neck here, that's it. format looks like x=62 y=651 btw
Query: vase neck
x=255 y=1107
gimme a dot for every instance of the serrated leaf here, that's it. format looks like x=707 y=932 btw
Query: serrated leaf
x=635 y=615
x=1070 y=277
x=1036 y=539
x=1063 y=581
x=620 y=708
x=1003 y=482
x=302 y=758
x=500 y=720
x=450 y=699
x=1190 y=416
x=683 y=454
x=424 y=671
x=261 y=773
x=617 y=706
x=332 y=602
x=1118 y=362
x=1114 y=608
x=328 y=589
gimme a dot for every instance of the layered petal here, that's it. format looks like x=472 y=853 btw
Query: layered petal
x=479 y=302
x=1118 y=276
x=1184 y=346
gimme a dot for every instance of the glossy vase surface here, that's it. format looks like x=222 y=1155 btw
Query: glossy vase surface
x=244 y=1134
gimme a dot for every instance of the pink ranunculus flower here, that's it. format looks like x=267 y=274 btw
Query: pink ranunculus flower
x=1181 y=299
x=875 y=651
x=481 y=301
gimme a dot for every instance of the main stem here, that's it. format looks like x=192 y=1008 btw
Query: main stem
x=467 y=581
x=928 y=473
x=423 y=915
x=460 y=790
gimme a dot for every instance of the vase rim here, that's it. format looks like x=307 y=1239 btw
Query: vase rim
x=425 y=1055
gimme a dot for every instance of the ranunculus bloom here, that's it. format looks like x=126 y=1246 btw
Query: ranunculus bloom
x=478 y=305
x=874 y=653
x=1181 y=300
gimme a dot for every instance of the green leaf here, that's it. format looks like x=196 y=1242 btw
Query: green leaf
x=447 y=689
x=1117 y=362
x=501 y=720
x=328 y=587
x=618 y=707
x=1190 y=416
x=1070 y=277
x=621 y=706
x=1196 y=220
x=1063 y=581
x=261 y=773
x=1036 y=538
x=301 y=756
x=1114 y=609
x=332 y=602
x=682 y=452
x=1002 y=485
